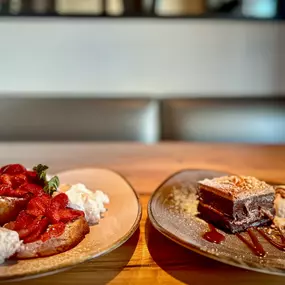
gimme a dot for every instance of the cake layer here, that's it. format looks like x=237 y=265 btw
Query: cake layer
x=236 y=209
x=218 y=219
x=235 y=203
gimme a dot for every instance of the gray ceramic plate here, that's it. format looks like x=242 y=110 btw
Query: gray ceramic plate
x=119 y=223
x=173 y=211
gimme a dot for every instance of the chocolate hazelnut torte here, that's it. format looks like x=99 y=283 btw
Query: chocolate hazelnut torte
x=235 y=203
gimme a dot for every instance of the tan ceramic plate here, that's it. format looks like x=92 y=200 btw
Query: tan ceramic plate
x=119 y=223
x=173 y=211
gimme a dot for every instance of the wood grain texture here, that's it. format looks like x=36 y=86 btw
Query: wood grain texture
x=148 y=257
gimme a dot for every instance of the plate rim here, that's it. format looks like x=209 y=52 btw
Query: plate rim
x=189 y=246
x=125 y=238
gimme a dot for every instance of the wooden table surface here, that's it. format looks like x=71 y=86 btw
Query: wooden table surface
x=148 y=257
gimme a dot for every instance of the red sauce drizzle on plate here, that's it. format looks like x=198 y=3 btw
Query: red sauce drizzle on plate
x=278 y=244
x=213 y=235
x=254 y=245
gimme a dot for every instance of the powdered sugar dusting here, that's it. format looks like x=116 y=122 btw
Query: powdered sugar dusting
x=237 y=187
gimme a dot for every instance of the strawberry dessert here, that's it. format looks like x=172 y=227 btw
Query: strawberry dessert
x=37 y=219
x=44 y=218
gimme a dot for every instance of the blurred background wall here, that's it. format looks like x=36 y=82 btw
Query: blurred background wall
x=195 y=71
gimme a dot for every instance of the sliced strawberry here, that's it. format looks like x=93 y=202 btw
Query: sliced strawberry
x=53 y=214
x=17 y=193
x=23 y=233
x=4 y=189
x=32 y=188
x=60 y=201
x=37 y=206
x=8 y=191
x=62 y=215
x=38 y=229
x=33 y=177
x=68 y=215
x=23 y=224
x=30 y=229
x=55 y=230
x=23 y=220
x=18 y=180
x=13 y=169
x=6 y=179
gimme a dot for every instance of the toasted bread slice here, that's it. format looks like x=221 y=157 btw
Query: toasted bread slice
x=73 y=234
x=10 y=207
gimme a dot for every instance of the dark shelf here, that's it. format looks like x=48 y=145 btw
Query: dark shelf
x=134 y=17
x=133 y=9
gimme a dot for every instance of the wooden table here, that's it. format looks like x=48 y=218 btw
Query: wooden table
x=148 y=257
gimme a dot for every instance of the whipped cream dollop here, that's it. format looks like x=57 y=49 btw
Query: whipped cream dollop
x=9 y=244
x=91 y=203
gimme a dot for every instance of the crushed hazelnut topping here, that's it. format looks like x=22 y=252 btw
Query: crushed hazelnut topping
x=237 y=185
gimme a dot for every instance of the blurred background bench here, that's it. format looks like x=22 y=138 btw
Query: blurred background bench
x=142 y=71
x=227 y=120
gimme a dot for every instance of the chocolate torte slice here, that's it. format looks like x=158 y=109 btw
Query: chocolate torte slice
x=235 y=203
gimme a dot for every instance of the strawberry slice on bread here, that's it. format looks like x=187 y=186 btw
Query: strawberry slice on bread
x=48 y=226
x=17 y=187
x=42 y=220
